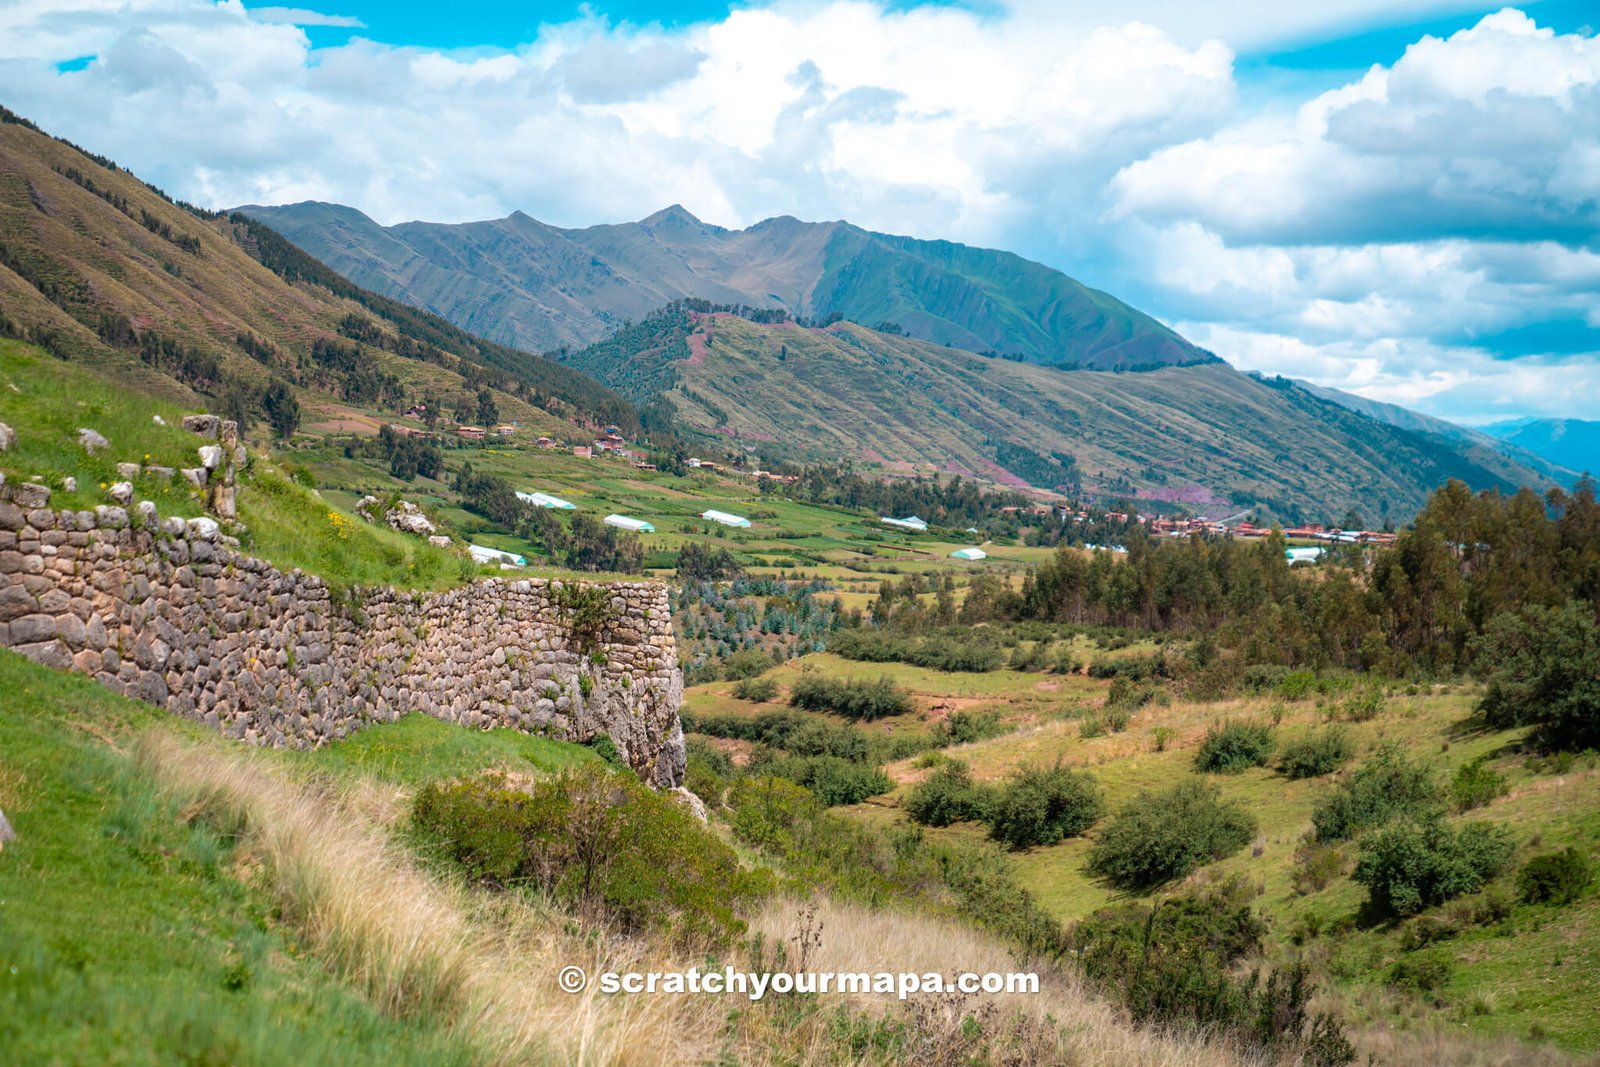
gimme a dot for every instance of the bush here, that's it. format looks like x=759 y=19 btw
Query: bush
x=1420 y=863
x=600 y=841
x=1386 y=786
x=948 y=795
x=1555 y=877
x=1126 y=696
x=708 y=772
x=1040 y=806
x=1163 y=836
x=852 y=699
x=1176 y=963
x=756 y=690
x=834 y=780
x=1542 y=668
x=1317 y=754
x=1422 y=972
x=1365 y=705
x=1476 y=783
x=746 y=663
x=971 y=651
x=1318 y=866
x=1234 y=746
x=965 y=727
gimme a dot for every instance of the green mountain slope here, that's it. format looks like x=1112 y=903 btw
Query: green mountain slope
x=97 y=266
x=1487 y=448
x=1204 y=435
x=538 y=287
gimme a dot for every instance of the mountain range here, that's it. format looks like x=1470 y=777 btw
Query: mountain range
x=538 y=287
x=816 y=341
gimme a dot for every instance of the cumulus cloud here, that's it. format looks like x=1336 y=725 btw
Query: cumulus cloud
x=1492 y=132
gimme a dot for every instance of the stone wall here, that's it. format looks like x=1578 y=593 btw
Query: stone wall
x=168 y=612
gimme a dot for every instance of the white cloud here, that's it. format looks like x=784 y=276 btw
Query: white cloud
x=1464 y=384
x=1490 y=131
x=930 y=120
x=299 y=16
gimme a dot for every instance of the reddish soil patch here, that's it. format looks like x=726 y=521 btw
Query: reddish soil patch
x=697 y=347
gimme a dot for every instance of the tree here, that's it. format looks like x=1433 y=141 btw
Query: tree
x=488 y=412
x=1542 y=667
x=283 y=410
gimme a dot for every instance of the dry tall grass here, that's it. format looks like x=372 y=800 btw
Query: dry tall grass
x=414 y=945
x=1089 y=1030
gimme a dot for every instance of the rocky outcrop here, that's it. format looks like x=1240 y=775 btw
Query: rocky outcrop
x=166 y=611
x=402 y=515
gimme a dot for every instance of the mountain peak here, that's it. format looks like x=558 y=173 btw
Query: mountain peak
x=673 y=215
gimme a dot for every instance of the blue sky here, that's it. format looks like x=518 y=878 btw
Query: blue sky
x=1396 y=197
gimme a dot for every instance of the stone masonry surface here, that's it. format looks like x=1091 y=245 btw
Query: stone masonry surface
x=165 y=611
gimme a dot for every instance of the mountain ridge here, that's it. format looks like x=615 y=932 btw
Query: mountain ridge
x=1204 y=437
x=541 y=287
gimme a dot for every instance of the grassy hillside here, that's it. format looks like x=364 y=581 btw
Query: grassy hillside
x=1202 y=435
x=98 y=267
x=173 y=898
x=1509 y=976
x=537 y=287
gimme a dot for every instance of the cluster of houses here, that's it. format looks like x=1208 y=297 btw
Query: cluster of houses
x=1163 y=526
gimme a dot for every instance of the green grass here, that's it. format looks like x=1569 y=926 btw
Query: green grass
x=292 y=526
x=47 y=401
x=128 y=937
x=418 y=749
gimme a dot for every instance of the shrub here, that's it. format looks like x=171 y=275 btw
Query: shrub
x=708 y=771
x=1163 y=836
x=965 y=727
x=1176 y=963
x=1039 y=806
x=1386 y=786
x=852 y=699
x=1317 y=754
x=1476 y=783
x=1422 y=972
x=1127 y=696
x=746 y=663
x=1318 y=866
x=1365 y=705
x=1555 y=877
x=834 y=780
x=756 y=690
x=1420 y=863
x=948 y=795
x=600 y=841
x=1542 y=668
x=1234 y=746
x=1297 y=685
